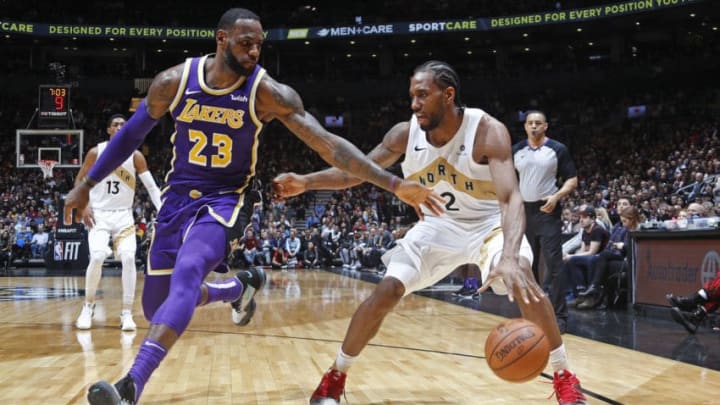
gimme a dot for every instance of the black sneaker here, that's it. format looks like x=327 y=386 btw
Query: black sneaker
x=467 y=292
x=252 y=280
x=104 y=393
x=689 y=320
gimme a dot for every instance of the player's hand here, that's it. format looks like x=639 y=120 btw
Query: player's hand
x=287 y=185
x=78 y=199
x=549 y=205
x=88 y=218
x=415 y=194
x=516 y=280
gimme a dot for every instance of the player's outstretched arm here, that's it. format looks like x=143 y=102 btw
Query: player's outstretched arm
x=278 y=101
x=384 y=154
x=129 y=137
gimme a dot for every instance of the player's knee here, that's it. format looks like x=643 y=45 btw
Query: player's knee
x=127 y=257
x=97 y=256
x=388 y=293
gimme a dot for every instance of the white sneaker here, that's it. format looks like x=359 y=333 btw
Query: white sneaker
x=126 y=321
x=84 y=321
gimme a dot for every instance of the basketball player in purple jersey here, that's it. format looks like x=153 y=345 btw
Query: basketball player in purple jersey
x=219 y=103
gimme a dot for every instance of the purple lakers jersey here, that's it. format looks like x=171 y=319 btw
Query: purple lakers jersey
x=216 y=133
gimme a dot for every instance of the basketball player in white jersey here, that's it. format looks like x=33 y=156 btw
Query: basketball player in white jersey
x=110 y=215
x=464 y=155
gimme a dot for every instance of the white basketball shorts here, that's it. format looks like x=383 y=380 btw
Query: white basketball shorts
x=434 y=247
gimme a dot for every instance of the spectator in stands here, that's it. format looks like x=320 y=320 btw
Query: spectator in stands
x=5 y=248
x=249 y=247
x=312 y=220
x=21 y=249
x=279 y=259
x=603 y=218
x=38 y=243
x=578 y=264
x=695 y=210
x=292 y=247
x=267 y=246
x=697 y=188
x=311 y=256
x=614 y=253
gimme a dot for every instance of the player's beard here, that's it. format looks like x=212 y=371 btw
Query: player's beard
x=236 y=66
x=433 y=123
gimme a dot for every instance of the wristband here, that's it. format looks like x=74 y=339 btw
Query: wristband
x=393 y=183
x=89 y=182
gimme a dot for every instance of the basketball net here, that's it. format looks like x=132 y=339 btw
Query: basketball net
x=47 y=167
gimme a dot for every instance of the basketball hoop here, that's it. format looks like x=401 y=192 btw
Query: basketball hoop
x=47 y=167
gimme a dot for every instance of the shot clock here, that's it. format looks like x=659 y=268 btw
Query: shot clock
x=53 y=106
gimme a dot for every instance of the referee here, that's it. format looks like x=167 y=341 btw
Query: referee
x=541 y=162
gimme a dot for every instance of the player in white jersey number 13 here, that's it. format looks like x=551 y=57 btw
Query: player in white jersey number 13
x=110 y=215
x=464 y=155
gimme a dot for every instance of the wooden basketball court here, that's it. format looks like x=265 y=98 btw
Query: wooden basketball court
x=428 y=351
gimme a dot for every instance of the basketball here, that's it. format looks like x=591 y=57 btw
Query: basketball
x=517 y=350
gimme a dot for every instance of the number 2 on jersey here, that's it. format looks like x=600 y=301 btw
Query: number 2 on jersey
x=222 y=142
x=450 y=197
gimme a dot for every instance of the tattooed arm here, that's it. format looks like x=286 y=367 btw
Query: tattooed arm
x=278 y=101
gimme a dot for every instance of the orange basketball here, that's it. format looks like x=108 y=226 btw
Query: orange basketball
x=517 y=350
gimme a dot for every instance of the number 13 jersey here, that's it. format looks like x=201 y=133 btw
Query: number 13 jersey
x=451 y=171
x=117 y=190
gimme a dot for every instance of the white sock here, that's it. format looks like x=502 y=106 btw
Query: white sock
x=343 y=361
x=558 y=359
x=703 y=293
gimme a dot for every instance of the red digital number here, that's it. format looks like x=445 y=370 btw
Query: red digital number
x=59 y=103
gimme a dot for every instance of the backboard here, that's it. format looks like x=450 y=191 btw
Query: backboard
x=62 y=145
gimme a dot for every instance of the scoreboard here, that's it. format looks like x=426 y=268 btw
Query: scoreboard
x=53 y=106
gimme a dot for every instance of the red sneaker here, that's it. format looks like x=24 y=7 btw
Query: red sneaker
x=567 y=389
x=331 y=387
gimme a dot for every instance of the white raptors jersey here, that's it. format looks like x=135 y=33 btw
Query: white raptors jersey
x=451 y=171
x=117 y=190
